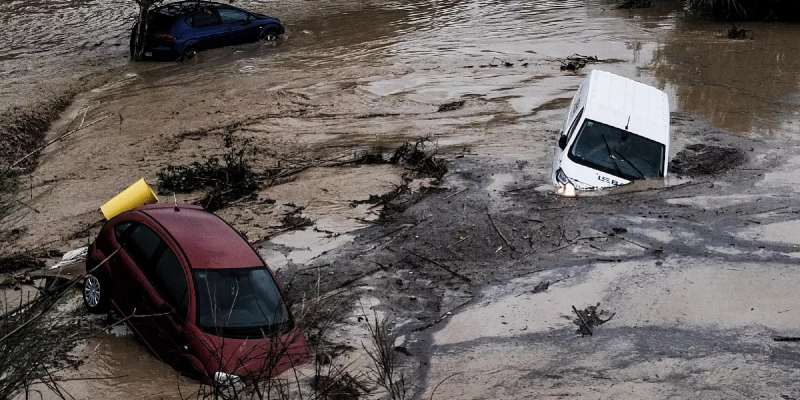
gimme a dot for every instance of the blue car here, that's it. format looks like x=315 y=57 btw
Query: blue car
x=177 y=31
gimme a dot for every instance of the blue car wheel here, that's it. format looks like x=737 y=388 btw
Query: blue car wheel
x=270 y=35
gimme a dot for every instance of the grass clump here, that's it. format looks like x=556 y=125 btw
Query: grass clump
x=753 y=10
x=224 y=180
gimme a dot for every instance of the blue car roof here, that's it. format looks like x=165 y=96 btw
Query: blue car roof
x=185 y=7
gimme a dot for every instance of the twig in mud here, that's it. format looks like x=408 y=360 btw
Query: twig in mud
x=552 y=208
x=770 y=210
x=632 y=242
x=497 y=229
x=27 y=205
x=91 y=378
x=388 y=234
x=583 y=321
x=442 y=381
x=689 y=219
x=401 y=233
x=562 y=247
x=83 y=119
x=520 y=189
x=291 y=228
x=525 y=257
x=42 y=147
x=458 y=241
x=530 y=272
x=442 y=266
x=458 y=192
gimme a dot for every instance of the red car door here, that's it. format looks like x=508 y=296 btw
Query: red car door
x=139 y=244
x=170 y=302
x=132 y=275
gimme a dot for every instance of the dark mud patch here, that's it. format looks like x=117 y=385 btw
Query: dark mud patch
x=702 y=159
x=295 y=218
x=555 y=104
x=451 y=106
x=629 y=4
x=26 y=260
x=577 y=61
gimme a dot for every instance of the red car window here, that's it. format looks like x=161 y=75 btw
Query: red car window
x=170 y=281
x=141 y=244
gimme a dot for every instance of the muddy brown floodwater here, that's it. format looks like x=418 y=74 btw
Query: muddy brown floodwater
x=699 y=272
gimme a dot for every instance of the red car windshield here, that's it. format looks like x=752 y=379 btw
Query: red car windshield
x=240 y=303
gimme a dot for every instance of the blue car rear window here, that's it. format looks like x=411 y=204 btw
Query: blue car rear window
x=203 y=18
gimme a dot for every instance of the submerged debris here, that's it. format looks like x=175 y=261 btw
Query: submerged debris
x=590 y=318
x=636 y=4
x=501 y=63
x=541 y=287
x=420 y=159
x=26 y=260
x=703 y=159
x=736 y=33
x=576 y=62
x=453 y=105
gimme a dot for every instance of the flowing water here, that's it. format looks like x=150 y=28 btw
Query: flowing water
x=413 y=52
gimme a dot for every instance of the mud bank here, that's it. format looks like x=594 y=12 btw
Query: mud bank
x=693 y=270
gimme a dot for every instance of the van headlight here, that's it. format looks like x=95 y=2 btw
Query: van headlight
x=567 y=188
x=561 y=177
x=229 y=381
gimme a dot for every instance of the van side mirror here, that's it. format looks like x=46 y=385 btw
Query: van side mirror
x=562 y=142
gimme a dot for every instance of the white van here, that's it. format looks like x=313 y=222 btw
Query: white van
x=616 y=131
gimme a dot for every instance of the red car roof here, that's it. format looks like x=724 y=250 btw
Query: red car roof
x=207 y=240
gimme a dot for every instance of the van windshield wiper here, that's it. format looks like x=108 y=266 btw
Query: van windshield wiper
x=610 y=155
x=631 y=164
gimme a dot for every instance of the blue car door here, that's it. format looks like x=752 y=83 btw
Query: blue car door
x=207 y=29
x=239 y=26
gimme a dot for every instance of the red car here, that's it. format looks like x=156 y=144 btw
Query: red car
x=195 y=292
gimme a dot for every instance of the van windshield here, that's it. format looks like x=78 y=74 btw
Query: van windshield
x=617 y=152
x=240 y=303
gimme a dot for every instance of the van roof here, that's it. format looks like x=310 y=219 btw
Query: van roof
x=621 y=102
